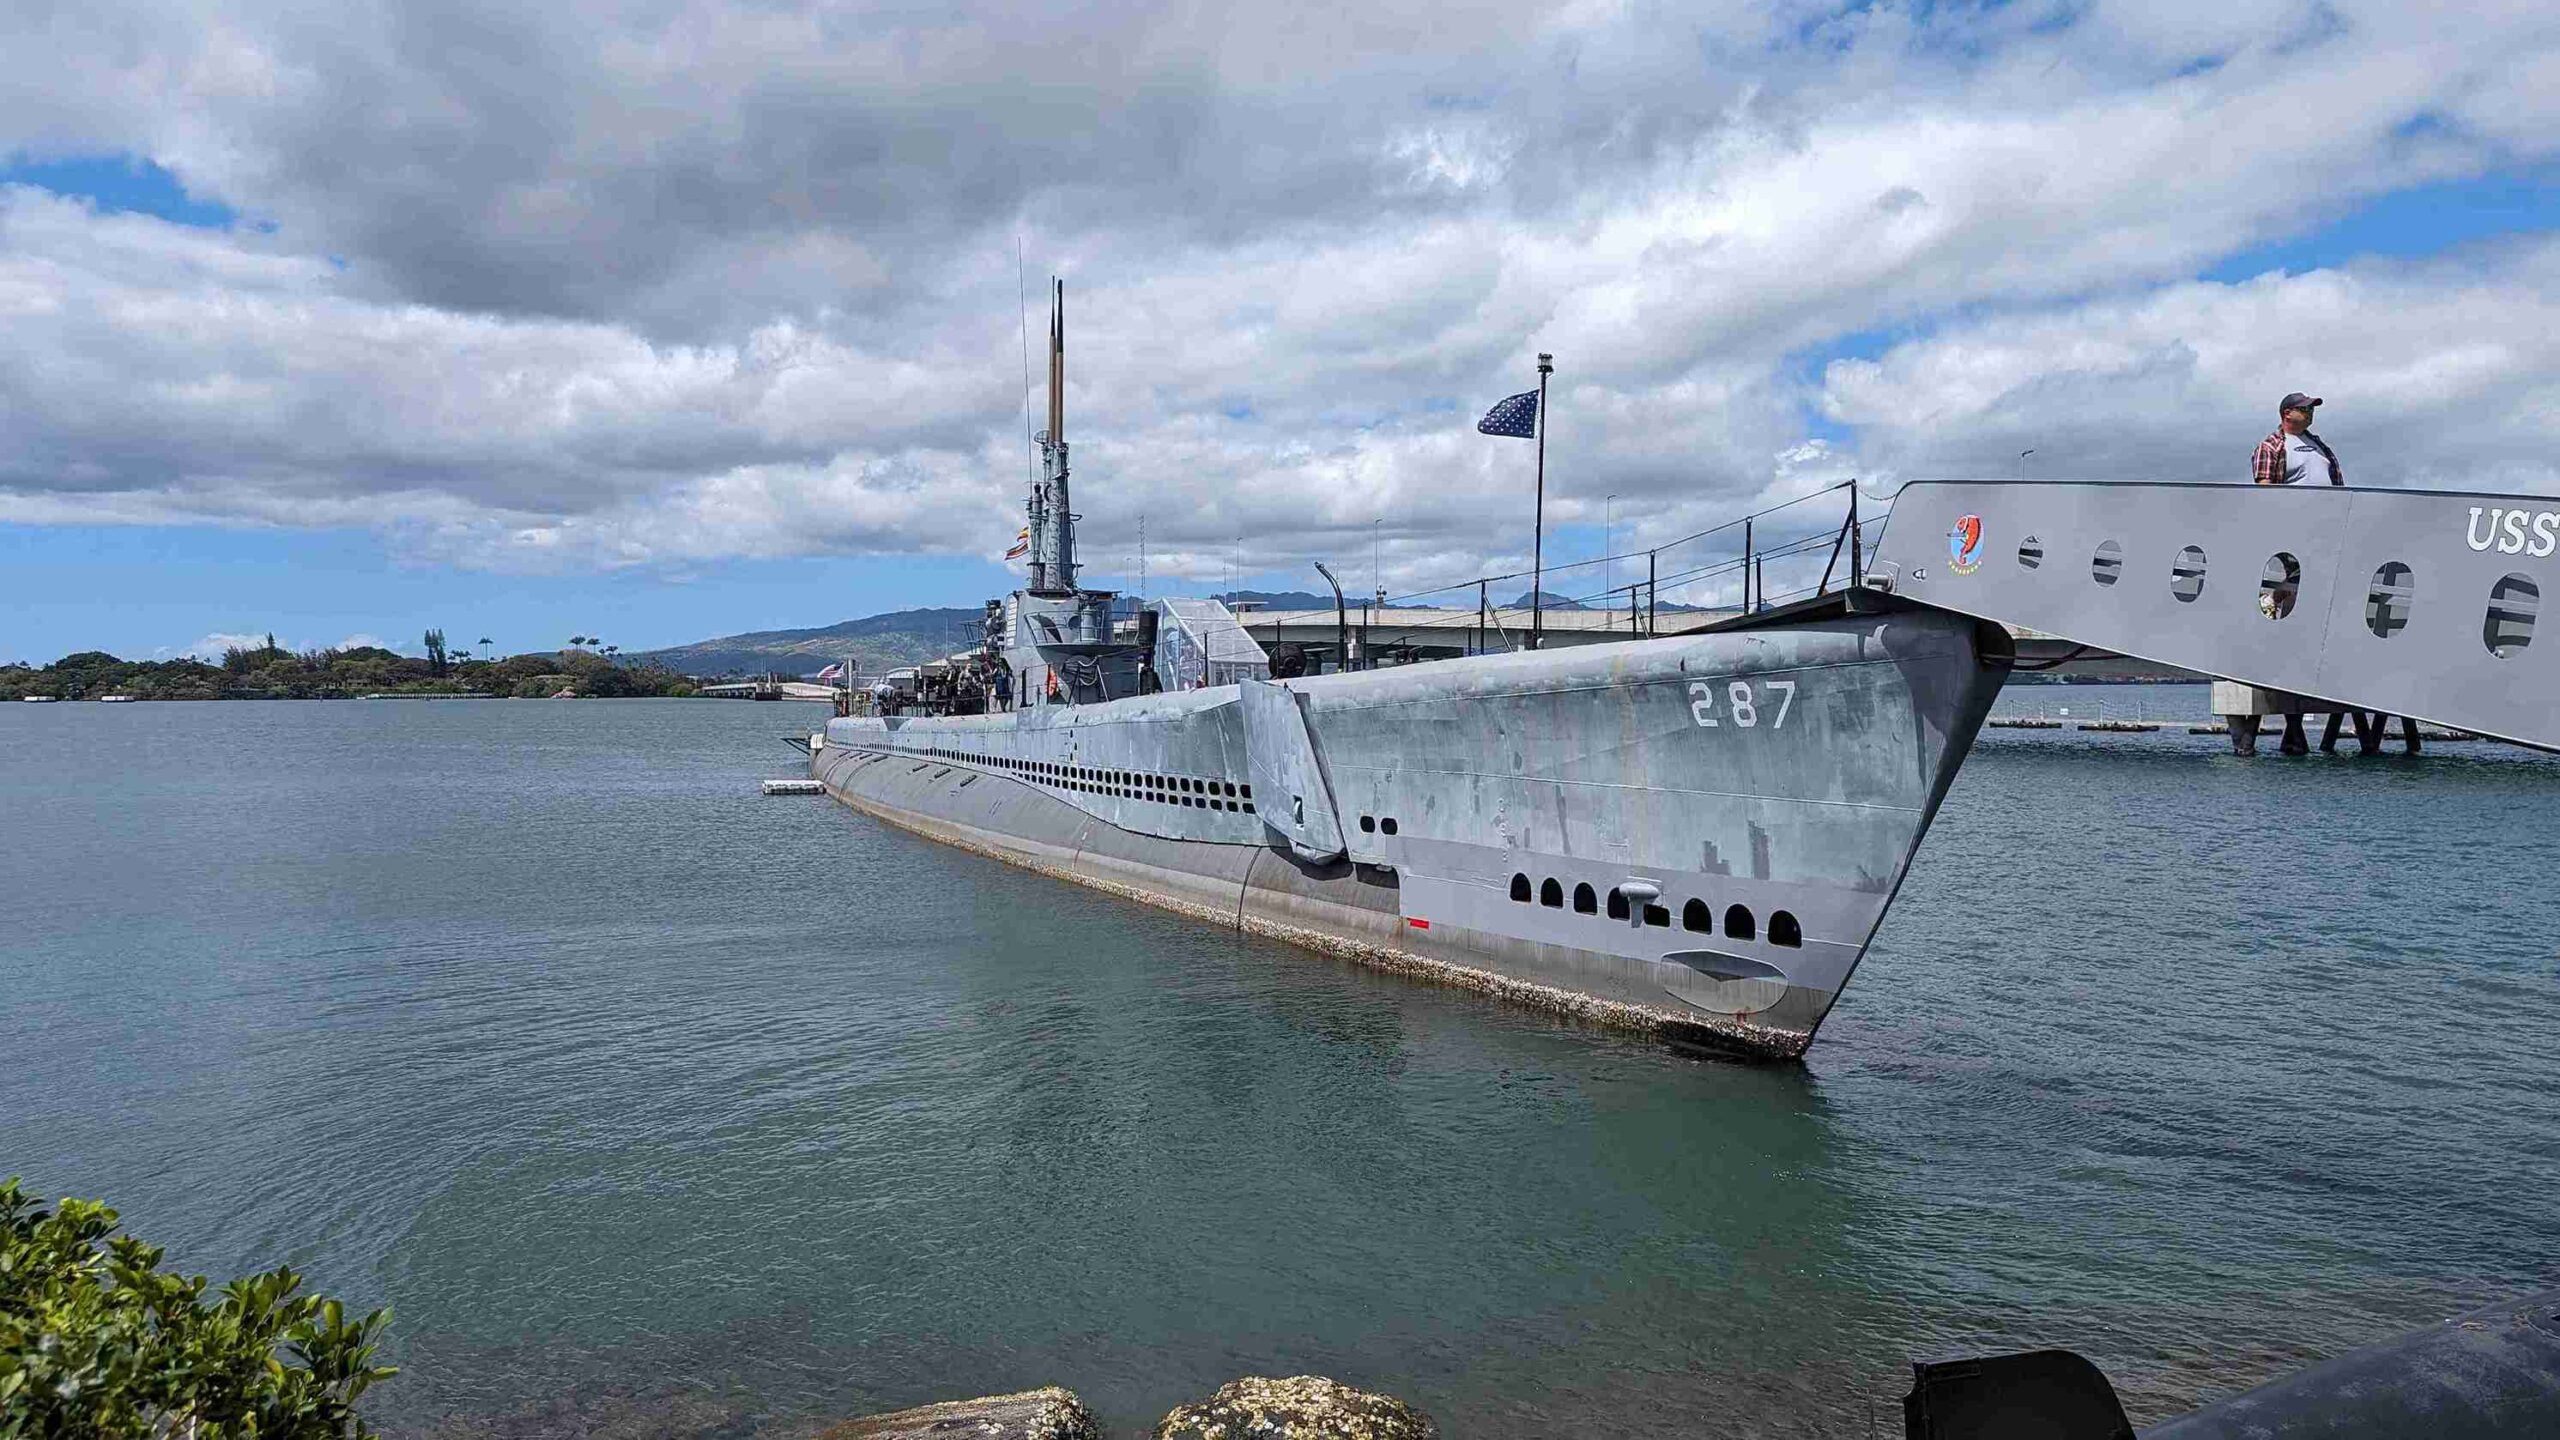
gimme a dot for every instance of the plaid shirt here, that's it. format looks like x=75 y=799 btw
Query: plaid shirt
x=2268 y=466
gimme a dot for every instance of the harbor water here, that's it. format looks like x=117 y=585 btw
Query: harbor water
x=653 y=1103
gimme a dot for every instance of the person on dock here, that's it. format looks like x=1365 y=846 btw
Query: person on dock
x=2293 y=455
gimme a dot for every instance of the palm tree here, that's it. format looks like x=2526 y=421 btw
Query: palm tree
x=484 y=647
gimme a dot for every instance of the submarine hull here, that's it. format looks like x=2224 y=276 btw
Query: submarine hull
x=1692 y=837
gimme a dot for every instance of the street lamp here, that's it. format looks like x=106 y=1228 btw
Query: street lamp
x=1341 y=621
x=1609 y=543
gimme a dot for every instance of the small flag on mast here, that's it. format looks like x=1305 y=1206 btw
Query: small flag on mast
x=832 y=672
x=1021 y=545
x=1517 y=416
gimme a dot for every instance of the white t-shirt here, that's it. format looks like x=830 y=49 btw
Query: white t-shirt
x=2303 y=462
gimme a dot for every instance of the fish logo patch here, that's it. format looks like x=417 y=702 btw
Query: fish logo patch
x=1964 y=545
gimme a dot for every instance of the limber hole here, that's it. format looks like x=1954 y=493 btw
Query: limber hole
x=1738 y=924
x=2030 y=553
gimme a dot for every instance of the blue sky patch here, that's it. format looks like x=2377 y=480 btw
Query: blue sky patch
x=2423 y=220
x=123 y=184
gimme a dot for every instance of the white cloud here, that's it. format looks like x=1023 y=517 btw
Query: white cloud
x=2435 y=373
x=211 y=647
x=575 y=287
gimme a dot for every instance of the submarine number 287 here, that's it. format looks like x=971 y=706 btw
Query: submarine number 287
x=1740 y=702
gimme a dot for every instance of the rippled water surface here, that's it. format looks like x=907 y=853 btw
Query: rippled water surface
x=649 y=1102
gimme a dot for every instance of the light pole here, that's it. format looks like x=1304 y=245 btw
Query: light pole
x=1538 y=539
x=1609 y=543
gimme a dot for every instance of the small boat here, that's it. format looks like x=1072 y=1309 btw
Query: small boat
x=115 y=699
x=37 y=699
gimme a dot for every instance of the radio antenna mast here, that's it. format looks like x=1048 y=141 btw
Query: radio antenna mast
x=1022 y=295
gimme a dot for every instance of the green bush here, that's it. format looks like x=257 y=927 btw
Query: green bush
x=96 y=1341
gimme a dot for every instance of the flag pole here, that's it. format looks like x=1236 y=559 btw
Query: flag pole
x=1538 y=540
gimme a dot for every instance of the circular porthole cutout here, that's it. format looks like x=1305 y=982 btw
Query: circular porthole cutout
x=2107 y=566
x=2390 y=599
x=2186 y=574
x=2513 y=603
x=2279 y=585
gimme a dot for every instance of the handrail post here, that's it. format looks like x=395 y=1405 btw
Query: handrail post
x=1838 y=541
x=1857 y=542
x=1652 y=599
x=1746 y=564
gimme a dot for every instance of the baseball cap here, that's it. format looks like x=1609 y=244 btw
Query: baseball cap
x=2298 y=401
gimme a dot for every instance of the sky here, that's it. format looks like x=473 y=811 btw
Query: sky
x=664 y=319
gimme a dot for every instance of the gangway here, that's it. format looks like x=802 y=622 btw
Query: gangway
x=2409 y=602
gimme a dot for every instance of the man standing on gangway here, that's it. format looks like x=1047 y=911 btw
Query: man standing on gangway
x=2293 y=454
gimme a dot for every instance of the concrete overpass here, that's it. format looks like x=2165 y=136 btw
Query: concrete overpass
x=1402 y=635
x=769 y=690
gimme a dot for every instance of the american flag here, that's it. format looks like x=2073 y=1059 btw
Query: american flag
x=1517 y=416
x=832 y=672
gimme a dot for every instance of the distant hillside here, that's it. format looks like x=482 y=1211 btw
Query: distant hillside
x=880 y=642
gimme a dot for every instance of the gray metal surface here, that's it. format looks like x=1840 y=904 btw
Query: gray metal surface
x=1281 y=764
x=2493 y=1374
x=2455 y=641
x=1699 y=832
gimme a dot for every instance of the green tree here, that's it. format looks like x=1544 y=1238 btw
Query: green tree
x=435 y=653
x=95 y=1340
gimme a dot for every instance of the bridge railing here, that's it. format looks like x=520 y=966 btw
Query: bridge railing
x=1798 y=548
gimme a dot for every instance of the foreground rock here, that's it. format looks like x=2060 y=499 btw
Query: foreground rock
x=1305 y=1407
x=1050 y=1414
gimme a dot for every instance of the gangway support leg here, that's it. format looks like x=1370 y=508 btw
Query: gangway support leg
x=2329 y=734
x=2409 y=732
x=2244 y=733
x=2295 y=742
x=2368 y=733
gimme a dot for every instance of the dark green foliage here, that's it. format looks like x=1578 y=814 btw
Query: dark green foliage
x=278 y=674
x=95 y=1340
x=436 y=653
